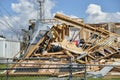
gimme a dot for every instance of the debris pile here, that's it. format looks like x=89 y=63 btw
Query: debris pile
x=85 y=45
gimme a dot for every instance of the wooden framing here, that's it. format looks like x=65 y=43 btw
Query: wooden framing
x=81 y=55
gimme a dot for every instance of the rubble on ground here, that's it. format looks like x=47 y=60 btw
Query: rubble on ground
x=90 y=46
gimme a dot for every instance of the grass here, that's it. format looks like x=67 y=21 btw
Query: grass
x=24 y=78
x=2 y=66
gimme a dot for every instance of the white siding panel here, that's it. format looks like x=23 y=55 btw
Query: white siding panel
x=2 y=48
x=11 y=48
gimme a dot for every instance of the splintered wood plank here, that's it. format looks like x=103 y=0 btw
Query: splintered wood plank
x=105 y=56
x=89 y=49
x=73 y=73
x=67 y=30
x=28 y=54
x=69 y=54
x=87 y=35
x=37 y=55
x=24 y=73
x=78 y=24
x=81 y=61
x=60 y=56
x=114 y=48
x=53 y=53
x=91 y=56
x=55 y=34
x=48 y=65
x=108 y=50
x=70 y=46
x=102 y=52
x=86 y=59
x=82 y=33
x=63 y=33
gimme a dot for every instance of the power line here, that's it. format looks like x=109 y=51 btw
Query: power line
x=7 y=25
x=9 y=14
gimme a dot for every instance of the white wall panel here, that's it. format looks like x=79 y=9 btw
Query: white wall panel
x=9 y=48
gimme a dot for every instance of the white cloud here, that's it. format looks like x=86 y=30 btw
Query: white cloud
x=48 y=7
x=96 y=15
x=25 y=10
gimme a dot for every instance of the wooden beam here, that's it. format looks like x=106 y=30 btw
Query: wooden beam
x=69 y=54
x=81 y=61
x=74 y=73
x=29 y=53
x=78 y=24
x=53 y=53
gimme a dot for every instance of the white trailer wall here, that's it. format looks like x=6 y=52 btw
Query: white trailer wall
x=9 y=48
x=2 y=48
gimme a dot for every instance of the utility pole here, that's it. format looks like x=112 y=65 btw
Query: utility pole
x=41 y=9
x=41 y=13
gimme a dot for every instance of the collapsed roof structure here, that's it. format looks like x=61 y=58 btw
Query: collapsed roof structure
x=87 y=45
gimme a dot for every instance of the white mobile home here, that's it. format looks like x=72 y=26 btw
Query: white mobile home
x=8 y=48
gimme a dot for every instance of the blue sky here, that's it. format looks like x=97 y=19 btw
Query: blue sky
x=78 y=7
x=93 y=11
x=75 y=7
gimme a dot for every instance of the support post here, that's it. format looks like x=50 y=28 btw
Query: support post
x=85 y=74
x=7 y=69
x=70 y=68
